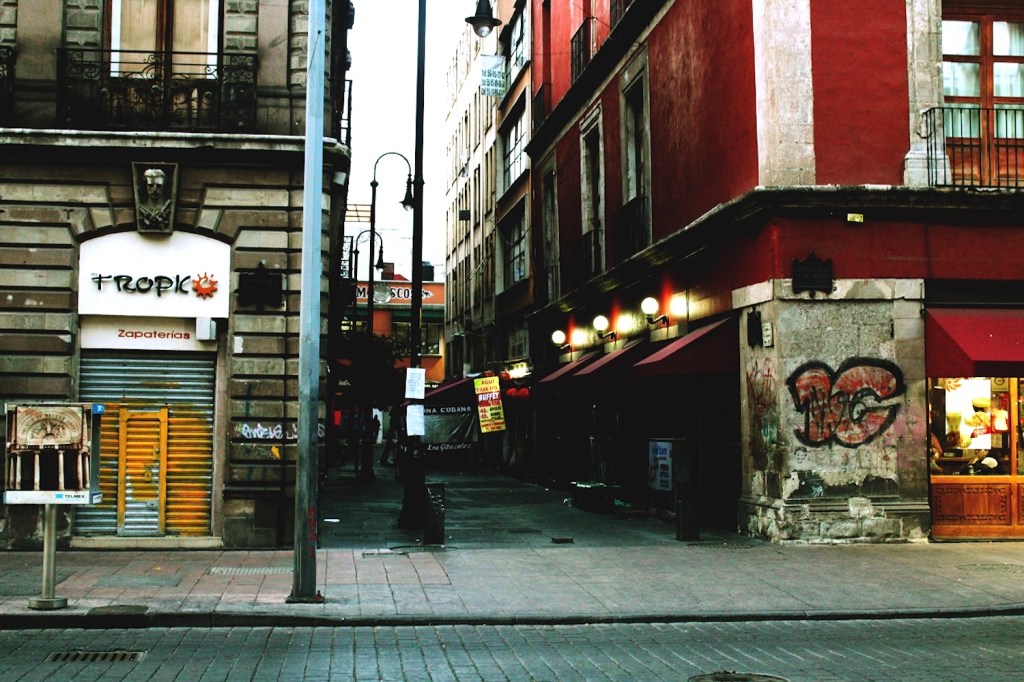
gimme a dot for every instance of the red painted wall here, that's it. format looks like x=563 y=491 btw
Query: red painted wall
x=861 y=110
x=703 y=118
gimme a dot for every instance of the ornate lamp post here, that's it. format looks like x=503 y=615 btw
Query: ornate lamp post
x=408 y=202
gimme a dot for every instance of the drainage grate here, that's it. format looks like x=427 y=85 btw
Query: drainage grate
x=993 y=568
x=94 y=656
x=712 y=544
x=729 y=676
x=249 y=570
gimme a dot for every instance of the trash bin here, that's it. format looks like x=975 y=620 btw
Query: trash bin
x=433 y=526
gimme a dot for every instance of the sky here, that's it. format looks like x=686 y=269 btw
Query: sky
x=383 y=46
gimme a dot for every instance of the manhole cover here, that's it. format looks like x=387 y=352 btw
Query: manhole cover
x=993 y=568
x=78 y=656
x=249 y=570
x=726 y=676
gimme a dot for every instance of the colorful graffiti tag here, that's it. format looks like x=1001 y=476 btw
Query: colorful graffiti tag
x=850 y=406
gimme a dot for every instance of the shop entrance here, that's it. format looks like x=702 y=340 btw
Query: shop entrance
x=977 y=473
x=156 y=449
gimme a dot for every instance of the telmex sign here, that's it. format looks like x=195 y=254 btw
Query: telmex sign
x=177 y=275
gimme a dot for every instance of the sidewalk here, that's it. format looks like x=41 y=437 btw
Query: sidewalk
x=528 y=558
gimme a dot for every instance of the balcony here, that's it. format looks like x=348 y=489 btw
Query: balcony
x=617 y=10
x=629 y=228
x=973 y=147
x=582 y=47
x=7 y=56
x=541 y=105
x=156 y=91
x=586 y=258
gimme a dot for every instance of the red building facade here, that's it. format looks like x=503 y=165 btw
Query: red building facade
x=825 y=221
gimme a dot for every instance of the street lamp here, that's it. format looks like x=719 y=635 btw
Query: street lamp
x=379 y=265
x=483 y=21
x=407 y=202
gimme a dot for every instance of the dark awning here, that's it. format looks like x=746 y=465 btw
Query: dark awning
x=613 y=364
x=458 y=392
x=568 y=369
x=713 y=349
x=974 y=342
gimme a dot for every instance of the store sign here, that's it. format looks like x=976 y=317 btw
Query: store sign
x=142 y=333
x=488 y=399
x=401 y=294
x=492 y=75
x=177 y=275
x=812 y=274
x=659 y=464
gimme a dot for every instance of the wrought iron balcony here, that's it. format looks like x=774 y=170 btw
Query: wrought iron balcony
x=974 y=147
x=343 y=112
x=159 y=91
x=7 y=56
x=551 y=283
x=540 y=108
x=617 y=10
x=582 y=47
x=586 y=257
x=629 y=228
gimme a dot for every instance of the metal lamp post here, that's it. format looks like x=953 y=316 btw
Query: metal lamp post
x=379 y=265
x=408 y=202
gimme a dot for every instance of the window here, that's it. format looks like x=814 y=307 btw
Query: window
x=514 y=147
x=591 y=172
x=517 y=44
x=631 y=223
x=513 y=233
x=549 y=222
x=166 y=26
x=983 y=87
x=587 y=253
x=430 y=338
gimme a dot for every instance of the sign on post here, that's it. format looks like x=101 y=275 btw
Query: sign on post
x=52 y=454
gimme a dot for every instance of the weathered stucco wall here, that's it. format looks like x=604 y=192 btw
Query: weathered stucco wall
x=834 y=415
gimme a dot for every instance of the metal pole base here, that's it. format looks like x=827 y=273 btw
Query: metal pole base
x=47 y=603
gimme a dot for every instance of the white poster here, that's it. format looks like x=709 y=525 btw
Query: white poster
x=659 y=457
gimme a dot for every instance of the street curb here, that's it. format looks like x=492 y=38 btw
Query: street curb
x=144 y=619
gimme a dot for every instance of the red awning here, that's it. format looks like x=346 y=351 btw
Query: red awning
x=568 y=368
x=713 y=349
x=458 y=392
x=974 y=342
x=612 y=364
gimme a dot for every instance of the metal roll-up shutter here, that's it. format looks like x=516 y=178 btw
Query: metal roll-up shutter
x=130 y=383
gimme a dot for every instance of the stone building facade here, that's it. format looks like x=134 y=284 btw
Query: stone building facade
x=172 y=302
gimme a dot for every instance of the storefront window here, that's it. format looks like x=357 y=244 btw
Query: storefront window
x=970 y=421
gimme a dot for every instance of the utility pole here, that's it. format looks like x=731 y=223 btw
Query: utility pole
x=307 y=462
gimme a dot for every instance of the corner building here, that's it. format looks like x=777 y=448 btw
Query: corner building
x=825 y=220
x=151 y=167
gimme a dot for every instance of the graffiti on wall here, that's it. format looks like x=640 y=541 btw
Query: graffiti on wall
x=275 y=431
x=849 y=406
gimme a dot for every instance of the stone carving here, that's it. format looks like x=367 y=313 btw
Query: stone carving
x=156 y=190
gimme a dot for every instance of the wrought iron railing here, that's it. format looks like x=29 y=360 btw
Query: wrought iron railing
x=7 y=57
x=586 y=257
x=539 y=110
x=136 y=90
x=552 y=284
x=973 y=147
x=617 y=10
x=582 y=47
x=629 y=228
x=343 y=113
